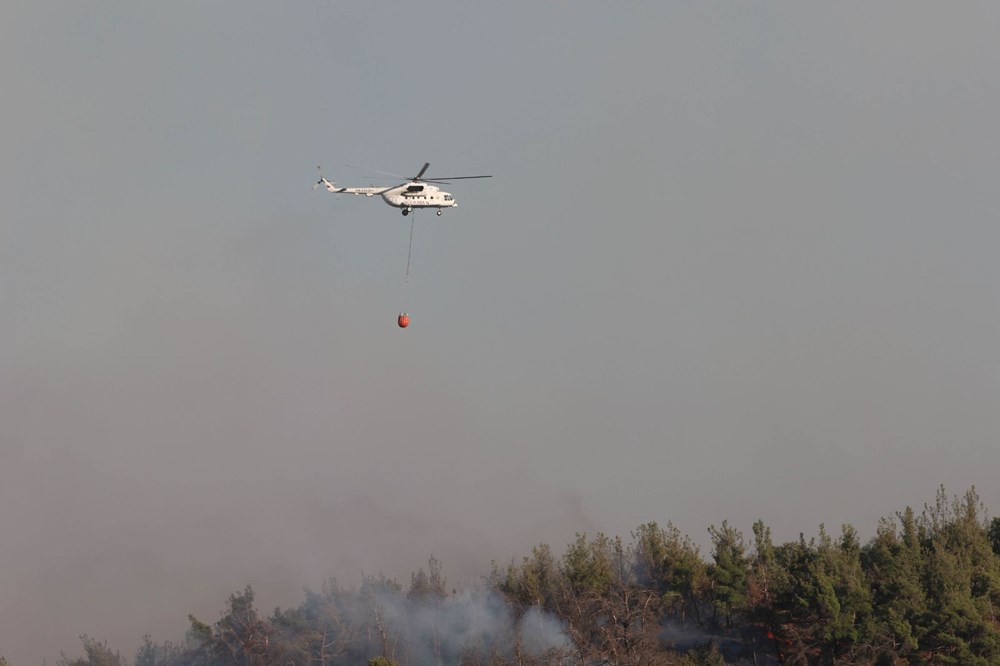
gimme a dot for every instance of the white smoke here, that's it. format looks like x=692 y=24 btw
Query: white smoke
x=542 y=633
x=470 y=623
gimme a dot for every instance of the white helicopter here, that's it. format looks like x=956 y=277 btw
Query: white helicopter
x=416 y=192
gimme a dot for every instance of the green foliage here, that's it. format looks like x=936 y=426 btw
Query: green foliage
x=669 y=563
x=765 y=580
x=924 y=589
x=151 y=654
x=730 y=571
x=994 y=535
x=98 y=654
x=894 y=562
x=319 y=631
x=428 y=585
x=821 y=609
x=586 y=565
x=848 y=607
x=706 y=654
x=535 y=582
x=376 y=585
x=961 y=582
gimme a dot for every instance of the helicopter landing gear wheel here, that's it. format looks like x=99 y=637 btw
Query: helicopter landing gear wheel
x=406 y=212
x=439 y=212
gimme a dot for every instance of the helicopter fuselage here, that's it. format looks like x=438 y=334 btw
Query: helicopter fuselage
x=418 y=195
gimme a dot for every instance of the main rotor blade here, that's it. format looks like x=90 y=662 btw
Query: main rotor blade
x=384 y=173
x=443 y=178
x=417 y=177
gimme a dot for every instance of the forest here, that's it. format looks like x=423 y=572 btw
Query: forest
x=925 y=589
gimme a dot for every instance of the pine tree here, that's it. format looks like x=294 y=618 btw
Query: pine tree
x=729 y=573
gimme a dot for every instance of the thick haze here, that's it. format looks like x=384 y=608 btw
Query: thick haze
x=735 y=263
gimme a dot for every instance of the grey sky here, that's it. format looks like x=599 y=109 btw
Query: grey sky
x=737 y=262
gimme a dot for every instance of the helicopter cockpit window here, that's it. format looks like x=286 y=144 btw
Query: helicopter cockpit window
x=447 y=197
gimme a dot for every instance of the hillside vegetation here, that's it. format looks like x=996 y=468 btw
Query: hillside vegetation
x=924 y=590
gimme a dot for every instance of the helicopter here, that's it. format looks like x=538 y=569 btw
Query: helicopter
x=415 y=192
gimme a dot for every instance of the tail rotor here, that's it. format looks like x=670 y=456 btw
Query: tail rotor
x=331 y=187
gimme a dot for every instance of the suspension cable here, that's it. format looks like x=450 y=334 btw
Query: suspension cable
x=409 y=251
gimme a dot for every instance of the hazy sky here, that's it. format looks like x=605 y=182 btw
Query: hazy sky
x=737 y=261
